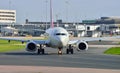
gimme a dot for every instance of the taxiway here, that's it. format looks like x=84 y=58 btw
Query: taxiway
x=93 y=58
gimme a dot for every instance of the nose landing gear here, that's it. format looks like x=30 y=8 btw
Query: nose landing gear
x=59 y=51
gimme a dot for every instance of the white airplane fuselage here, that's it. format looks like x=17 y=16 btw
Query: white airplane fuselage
x=58 y=37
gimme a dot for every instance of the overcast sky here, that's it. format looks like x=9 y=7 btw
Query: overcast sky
x=67 y=10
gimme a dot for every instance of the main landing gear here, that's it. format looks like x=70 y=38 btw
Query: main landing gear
x=69 y=49
x=41 y=50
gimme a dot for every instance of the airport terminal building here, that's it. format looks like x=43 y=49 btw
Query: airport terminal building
x=7 y=16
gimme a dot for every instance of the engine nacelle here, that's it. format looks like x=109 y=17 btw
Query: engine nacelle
x=31 y=46
x=82 y=45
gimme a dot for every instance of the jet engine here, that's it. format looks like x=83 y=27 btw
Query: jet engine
x=31 y=46
x=82 y=45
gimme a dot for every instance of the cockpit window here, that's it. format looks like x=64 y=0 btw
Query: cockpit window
x=60 y=34
x=57 y=33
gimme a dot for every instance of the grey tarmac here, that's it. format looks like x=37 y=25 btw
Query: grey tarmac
x=86 y=61
x=48 y=69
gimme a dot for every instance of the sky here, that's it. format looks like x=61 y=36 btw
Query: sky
x=67 y=10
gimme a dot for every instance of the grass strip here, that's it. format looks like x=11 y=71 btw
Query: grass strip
x=113 y=51
x=5 y=46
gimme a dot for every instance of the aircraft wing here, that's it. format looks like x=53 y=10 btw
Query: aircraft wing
x=88 y=39
x=14 y=39
x=23 y=39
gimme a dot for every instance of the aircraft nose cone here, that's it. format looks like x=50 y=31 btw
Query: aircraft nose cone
x=61 y=41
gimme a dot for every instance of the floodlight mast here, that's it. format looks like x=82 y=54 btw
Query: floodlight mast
x=51 y=15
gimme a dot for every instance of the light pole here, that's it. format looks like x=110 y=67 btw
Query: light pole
x=46 y=13
x=51 y=16
x=67 y=3
x=9 y=4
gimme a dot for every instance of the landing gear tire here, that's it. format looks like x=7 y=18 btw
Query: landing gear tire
x=41 y=50
x=59 y=51
x=70 y=49
x=67 y=51
x=38 y=52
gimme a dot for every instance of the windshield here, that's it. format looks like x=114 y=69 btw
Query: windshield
x=60 y=34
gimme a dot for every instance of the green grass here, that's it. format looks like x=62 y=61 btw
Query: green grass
x=113 y=51
x=12 y=46
x=5 y=46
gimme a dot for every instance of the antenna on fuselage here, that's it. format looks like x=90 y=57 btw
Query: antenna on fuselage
x=51 y=16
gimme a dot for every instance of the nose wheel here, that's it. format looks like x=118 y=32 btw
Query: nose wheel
x=59 y=51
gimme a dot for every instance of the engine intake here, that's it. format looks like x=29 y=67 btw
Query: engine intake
x=82 y=45
x=31 y=47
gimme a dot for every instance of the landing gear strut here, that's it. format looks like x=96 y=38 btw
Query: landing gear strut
x=69 y=49
x=41 y=50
